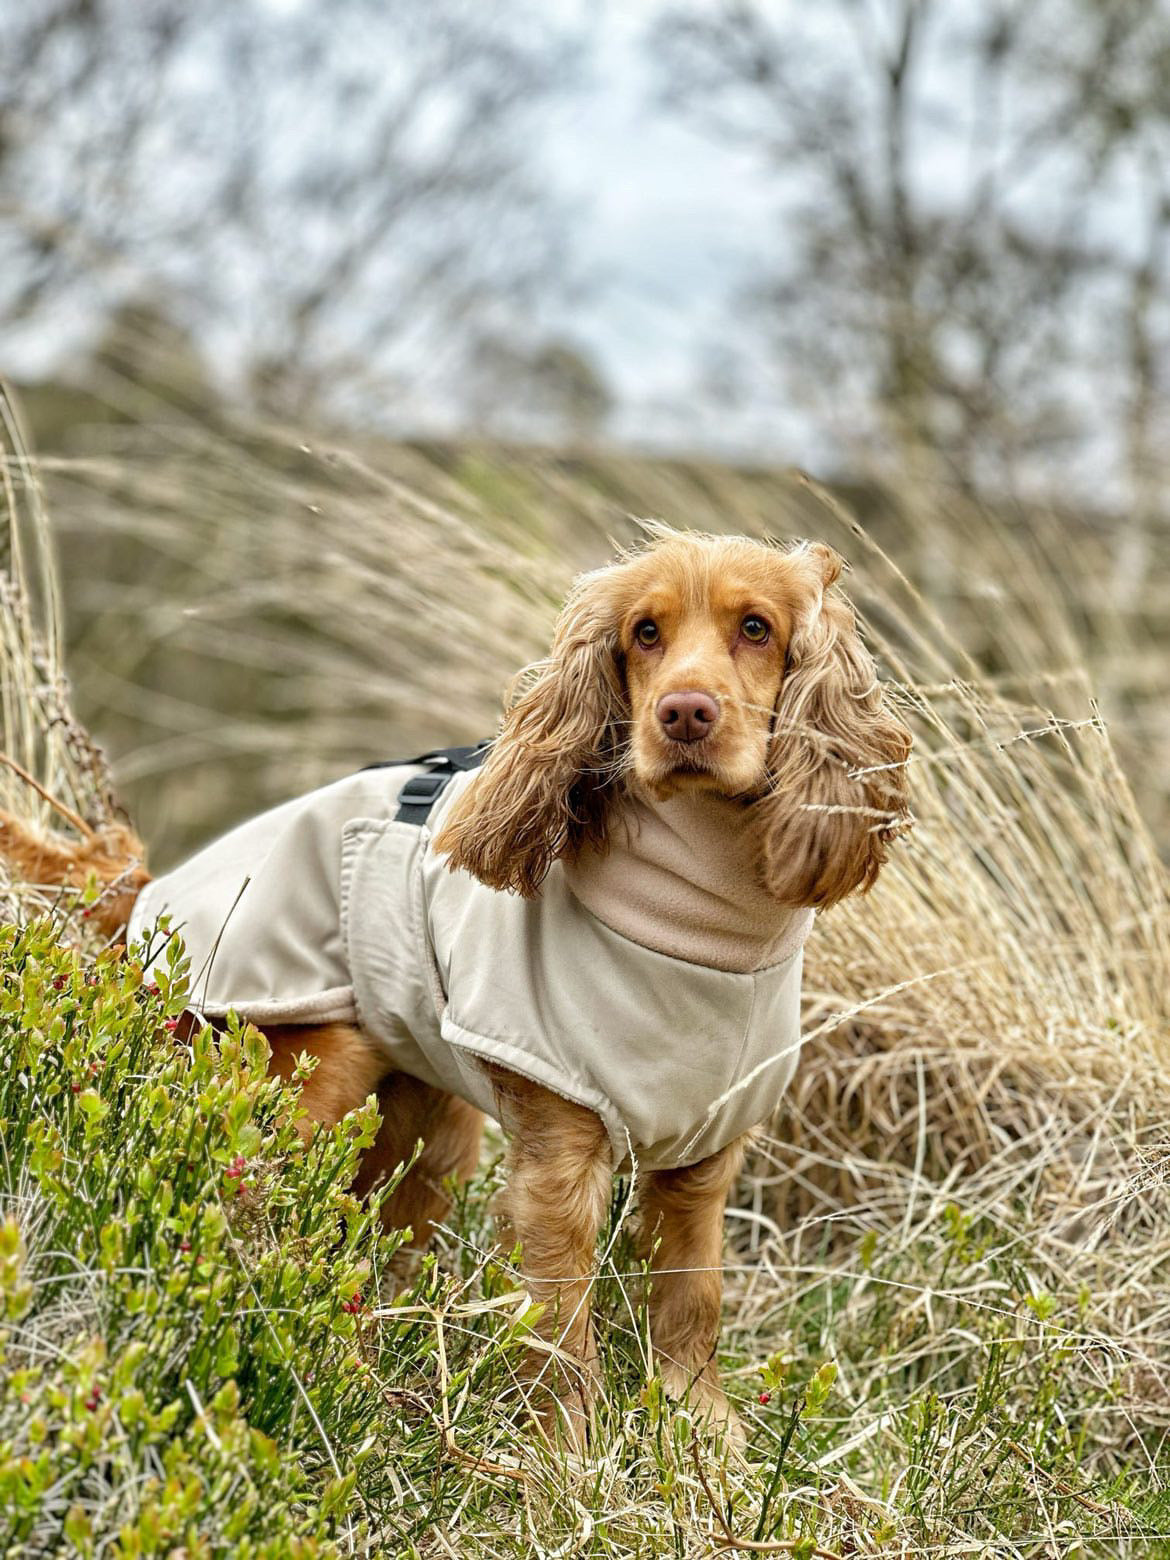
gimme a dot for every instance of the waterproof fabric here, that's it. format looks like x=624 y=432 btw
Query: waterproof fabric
x=327 y=909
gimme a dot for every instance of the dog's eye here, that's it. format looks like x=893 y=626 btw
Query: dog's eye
x=646 y=633
x=754 y=629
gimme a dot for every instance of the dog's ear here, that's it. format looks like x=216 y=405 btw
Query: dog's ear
x=837 y=789
x=546 y=785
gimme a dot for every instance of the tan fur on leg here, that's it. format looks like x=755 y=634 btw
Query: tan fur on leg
x=451 y=1131
x=560 y=1167
x=682 y=1234
x=349 y=1068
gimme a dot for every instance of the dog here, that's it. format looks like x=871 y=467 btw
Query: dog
x=592 y=928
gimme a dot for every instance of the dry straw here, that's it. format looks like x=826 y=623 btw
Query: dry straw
x=989 y=1028
x=52 y=773
x=288 y=609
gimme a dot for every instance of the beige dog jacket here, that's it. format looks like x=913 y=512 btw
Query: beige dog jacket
x=655 y=984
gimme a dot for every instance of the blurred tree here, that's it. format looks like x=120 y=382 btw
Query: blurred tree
x=332 y=197
x=141 y=346
x=142 y=343
x=953 y=274
x=552 y=388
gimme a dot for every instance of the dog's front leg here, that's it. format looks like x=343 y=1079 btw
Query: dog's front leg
x=560 y=1168
x=682 y=1236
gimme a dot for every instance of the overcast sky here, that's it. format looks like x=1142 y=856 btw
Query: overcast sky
x=675 y=222
x=665 y=221
x=668 y=224
x=671 y=220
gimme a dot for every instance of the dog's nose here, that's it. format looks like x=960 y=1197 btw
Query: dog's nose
x=687 y=717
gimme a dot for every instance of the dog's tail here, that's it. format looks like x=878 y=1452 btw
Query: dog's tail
x=112 y=856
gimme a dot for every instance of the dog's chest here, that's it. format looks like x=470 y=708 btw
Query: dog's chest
x=328 y=909
x=676 y=1056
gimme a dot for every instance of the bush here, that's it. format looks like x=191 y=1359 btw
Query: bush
x=203 y=1352
x=180 y=1278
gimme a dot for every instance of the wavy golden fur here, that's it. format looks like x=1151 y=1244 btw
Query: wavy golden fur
x=805 y=735
x=547 y=784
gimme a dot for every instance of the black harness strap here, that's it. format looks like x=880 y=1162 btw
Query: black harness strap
x=421 y=792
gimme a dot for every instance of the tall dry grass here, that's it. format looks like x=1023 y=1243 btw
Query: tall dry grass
x=44 y=743
x=987 y=1033
x=262 y=612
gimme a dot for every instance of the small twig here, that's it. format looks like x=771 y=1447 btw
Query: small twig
x=78 y=823
x=468 y=1459
x=785 y=1443
x=1059 y=1484
x=759 y=1546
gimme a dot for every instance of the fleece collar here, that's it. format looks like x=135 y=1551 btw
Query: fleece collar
x=679 y=877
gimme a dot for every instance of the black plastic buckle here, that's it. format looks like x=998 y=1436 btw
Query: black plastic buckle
x=421 y=792
x=419 y=795
x=424 y=788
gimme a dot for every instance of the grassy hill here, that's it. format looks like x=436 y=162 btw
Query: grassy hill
x=251 y=608
x=947 y=1266
x=208 y=1350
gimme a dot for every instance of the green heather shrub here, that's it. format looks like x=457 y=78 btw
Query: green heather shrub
x=204 y=1349
x=179 y=1278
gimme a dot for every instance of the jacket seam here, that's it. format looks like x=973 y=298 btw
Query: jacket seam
x=517 y=1061
x=745 y=1037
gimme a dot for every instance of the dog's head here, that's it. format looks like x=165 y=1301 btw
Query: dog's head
x=697 y=663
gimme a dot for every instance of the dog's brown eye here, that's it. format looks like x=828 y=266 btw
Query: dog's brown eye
x=754 y=629
x=646 y=632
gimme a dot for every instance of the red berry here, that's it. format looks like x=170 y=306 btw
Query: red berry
x=184 y=1245
x=237 y=1167
x=765 y=1397
x=171 y=1024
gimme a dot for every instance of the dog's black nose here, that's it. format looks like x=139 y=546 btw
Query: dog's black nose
x=687 y=717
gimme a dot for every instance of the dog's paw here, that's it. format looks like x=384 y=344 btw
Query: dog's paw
x=566 y=1421
x=561 y=1394
x=705 y=1400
